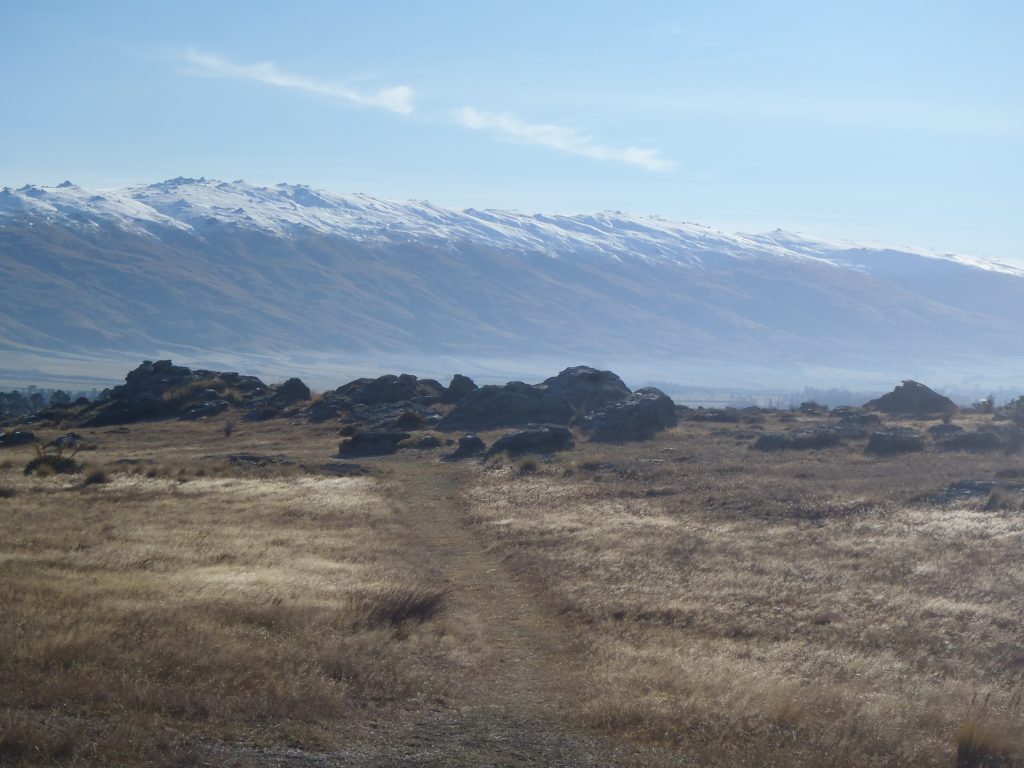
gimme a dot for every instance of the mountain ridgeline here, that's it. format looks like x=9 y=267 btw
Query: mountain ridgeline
x=208 y=266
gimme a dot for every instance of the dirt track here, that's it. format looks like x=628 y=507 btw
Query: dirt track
x=508 y=708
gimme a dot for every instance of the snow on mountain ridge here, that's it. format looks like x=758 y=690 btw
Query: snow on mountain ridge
x=187 y=204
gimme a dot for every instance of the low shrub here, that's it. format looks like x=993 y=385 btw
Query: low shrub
x=54 y=459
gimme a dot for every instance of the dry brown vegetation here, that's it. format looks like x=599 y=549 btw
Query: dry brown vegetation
x=142 y=614
x=799 y=608
x=692 y=599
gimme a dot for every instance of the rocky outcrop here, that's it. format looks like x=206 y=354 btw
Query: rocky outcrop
x=204 y=410
x=460 y=388
x=389 y=389
x=290 y=392
x=913 y=398
x=542 y=438
x=638 y=416
x=514 y=404
x=164 y=390
x=379 y=401
x=558 y=400
x=896 y=440
x=585 y=389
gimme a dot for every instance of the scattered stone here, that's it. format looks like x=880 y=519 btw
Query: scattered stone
x=798 y=439
x=974 y=442
x=469 y=445
x=809 y=439
x=70 y=441
x=205 y=410
x=372 y=443
x=940 y=431
x=636 y=417
x=16 y=438
x=913 y=398
x=543 y=438
x=344 y=469
x=424 y=442
x=772 y=441
x=895 y=440
x=258 y=459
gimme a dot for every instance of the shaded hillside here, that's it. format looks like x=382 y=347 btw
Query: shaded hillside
x=211 y=266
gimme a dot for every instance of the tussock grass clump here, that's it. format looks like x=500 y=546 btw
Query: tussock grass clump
x=96 y=476
x=992 y=738
x=27 y=739
x=1002 y=500
x=7 y=491
x=527 y=466
x=393 y=605
x=52 y=460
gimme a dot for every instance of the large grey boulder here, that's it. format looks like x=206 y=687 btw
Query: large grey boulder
x=460 y=388
x=585 y=389
x=638 y=416
x=538 y=438
x=469 y=445
x=888 y=442
x=16 y=438
x=373 y=443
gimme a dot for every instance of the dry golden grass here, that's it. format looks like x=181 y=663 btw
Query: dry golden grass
x=141 y=616
x=800 y=608
x=689 y=595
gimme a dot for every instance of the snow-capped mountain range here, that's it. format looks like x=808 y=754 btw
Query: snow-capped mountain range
x=211 y=266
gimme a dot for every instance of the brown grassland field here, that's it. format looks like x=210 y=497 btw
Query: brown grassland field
x=681 y=601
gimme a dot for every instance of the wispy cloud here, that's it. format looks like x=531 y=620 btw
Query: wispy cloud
x=560 y=138
x=201 y=64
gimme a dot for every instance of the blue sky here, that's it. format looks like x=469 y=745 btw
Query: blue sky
x=895 y=122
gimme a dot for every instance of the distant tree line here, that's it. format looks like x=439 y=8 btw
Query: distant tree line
x=33 y=399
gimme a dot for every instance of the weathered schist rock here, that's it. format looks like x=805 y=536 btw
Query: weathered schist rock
x=379 y=401
x=638 y=416
x=372 y=443
x=459 y=389
x=913 y=399
x=972 y=442
x=469 y=445
x=280 y=398
x=16 y=438
x=163 y=390
x=558 y=400
x=855 y=423
x=536 y=438
x=888 y=442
